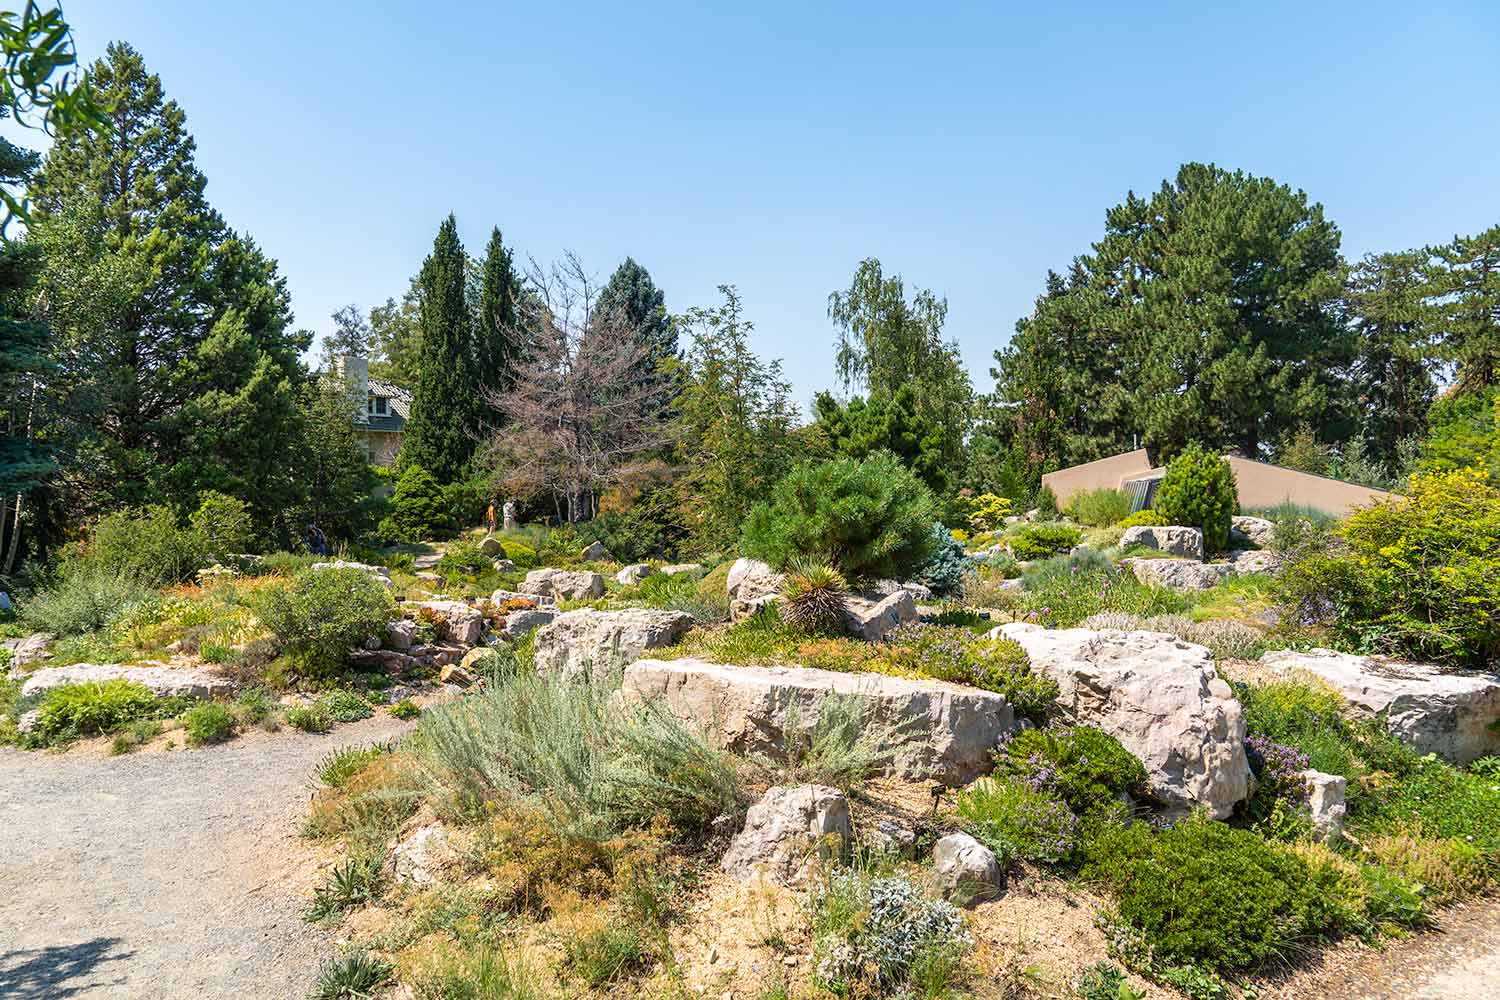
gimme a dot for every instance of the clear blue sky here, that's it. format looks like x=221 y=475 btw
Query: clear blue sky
x=969 y=148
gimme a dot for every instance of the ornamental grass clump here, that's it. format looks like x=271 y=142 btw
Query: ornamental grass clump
x=812 y=598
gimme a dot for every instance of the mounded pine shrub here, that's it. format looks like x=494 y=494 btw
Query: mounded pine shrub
x=419 y=508
x=1199 y=491
x=872 y=519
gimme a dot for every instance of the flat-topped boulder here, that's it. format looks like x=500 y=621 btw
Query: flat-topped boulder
x=949 y=732
x=1157 y=695
x=1173 y=539
x=164 y=682
x=462 y=623
x=1177 y=574
x=519 y=624
x=1250 y=530
x=595 y=645
x=563 y=584
x=379 y=573
x=1456 y=716
x=873 y=620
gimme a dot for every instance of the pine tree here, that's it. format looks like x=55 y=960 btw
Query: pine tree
x=1465 y=287
x=1393 y=373
x=447 y=407
x=139 y=273
x=498 y=345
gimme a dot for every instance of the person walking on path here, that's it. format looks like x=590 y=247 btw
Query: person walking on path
x=489 y=517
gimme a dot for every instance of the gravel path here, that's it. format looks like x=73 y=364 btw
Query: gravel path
x=161 y=875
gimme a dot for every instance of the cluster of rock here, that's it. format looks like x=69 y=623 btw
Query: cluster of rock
x=1183 y=567
x=869 y=615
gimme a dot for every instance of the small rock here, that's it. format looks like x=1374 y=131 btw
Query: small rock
x=634 y=573
x=491 y=547
x=504 y=566
x=1325 y=801
x=874 y=620
x=783 y=828
x=428 y=576
x=164 y=682
x=595 y=552
x=967 y=871
x=750 y=581
x=401 y=633
x=1178 y=574
x=414 y=858
x=891 y=836
x=454 y=675
x=1251 y=531
x=377 y=573
x=29 y=650
x=464 y=624
x=562 y=584
x=1172 y=539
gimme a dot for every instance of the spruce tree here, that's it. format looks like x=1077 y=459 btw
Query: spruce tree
x=447 y=408
x=498 y=344
x=140 y=272
x=632 y=295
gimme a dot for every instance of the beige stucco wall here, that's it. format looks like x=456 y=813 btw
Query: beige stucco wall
x=1103 y=473
x=1263 y=485
x=383 y=446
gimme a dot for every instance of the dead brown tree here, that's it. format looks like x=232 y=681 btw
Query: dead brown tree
x=578 y=419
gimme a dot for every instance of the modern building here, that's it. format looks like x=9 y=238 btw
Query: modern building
x=1260 y=484
x=381 y=411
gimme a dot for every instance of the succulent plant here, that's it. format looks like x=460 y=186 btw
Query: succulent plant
x=812 y=599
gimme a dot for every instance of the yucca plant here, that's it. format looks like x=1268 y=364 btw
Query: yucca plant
x=812 y=599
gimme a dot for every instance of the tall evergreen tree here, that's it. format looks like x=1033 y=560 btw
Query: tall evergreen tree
x=1393 y=371
x=141 y=275
x=1464 y=282
x=498 y=344
x=447 y=407
x=631 y=293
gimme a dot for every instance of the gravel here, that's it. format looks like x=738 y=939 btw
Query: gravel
x=162 y=874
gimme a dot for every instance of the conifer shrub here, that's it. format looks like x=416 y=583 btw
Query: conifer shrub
x=223 y=523
x=1147 y=518
x=1199 y=491
x=419 y=509
x=945 y=570
x=322 y=614
x=1046 y=504
x=1038 y=541
x=146 y=544
x=871 y=518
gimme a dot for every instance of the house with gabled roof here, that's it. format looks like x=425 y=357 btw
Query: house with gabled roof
x=382 y=416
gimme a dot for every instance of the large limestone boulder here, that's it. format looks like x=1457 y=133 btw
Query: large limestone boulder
x=967 y=871
x=634 y=573
x=164 y=682
x=948 y=732
x=28 y=650
x=874 y=620
x=789 y=824
x=596 y=645
x=463 y=624
x=1250 y=531
x=1452 y=715
x=563 y=584
x=377 y=573
x=1176 y=540
x=1159 y=696
x=519 y=624
x=750 y=584
x=1178 y=574
x=1242 y=561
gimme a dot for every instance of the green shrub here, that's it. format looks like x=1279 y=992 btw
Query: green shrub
x=1142 y=518
x=146 y=544
x=463 y=557
x=1199 y=491
x=73 y=710
x=1098 y=508
x=207 y=724
x=312 y=718
x=86 y=599
x=812 y=599
x=604 y=955
x=1046 y=504
x=945 y=571
x=1037 y=541
x=404 y=709
x=223 y=524
x=419 y=509
x=959 y=656
x=346 y=706
x=1420 y=576
x=1015 y=819
x=1084 y=766
x=465 y=501
x=335 y=769
x=322 y=614
x=523 y=555
x=592 y=764
x=1062 y=592
x=254 y=706
x=351 y=977
x=872 y=518
x=1306 y=716
x=1210 y=895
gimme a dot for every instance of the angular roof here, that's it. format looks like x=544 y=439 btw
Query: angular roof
x=399 y=406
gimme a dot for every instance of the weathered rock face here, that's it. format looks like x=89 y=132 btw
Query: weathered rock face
x=1160 y=698
x=874 y=620
x=1451 y=715
x=1173 y=539
x=1250 y=531
x=676 y=568
x=949 y=732
x=379 y=573
x=464 y=624
x=1242 y=561
x=28 y=650
x=563 y=584
x=521 y=623
x=1325 y=801
x=399 y=662
x=634 y=573
x=417 y=857
x=595 y=645
x=789 y=824
x=595 y=552
x=164 y=682
x=503 y=566
x=967 y=871
x=427 y=560
x=540 y=600
x=491 y=547
x=750 y=582
x=400 y=634
x=1178 y=574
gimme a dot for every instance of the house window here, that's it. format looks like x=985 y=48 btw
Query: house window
x=378 y=405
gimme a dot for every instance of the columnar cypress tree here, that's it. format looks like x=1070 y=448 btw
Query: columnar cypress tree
x=498 y=344
x=446 y=408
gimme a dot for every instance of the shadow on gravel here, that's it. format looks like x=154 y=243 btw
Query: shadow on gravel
x=57 y=971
